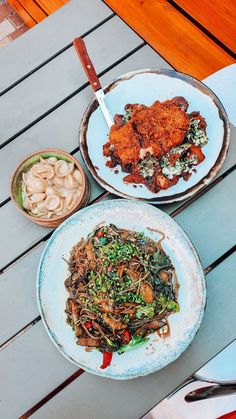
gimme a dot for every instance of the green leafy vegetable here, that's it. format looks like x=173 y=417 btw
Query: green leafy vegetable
x=162 y=300
x=147 y=311
x=127 y=115
x=160 y=259
x=135 y=341
x=168 y=304
x=173 y=305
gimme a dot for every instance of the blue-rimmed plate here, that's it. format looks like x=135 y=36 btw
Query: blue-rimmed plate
x=51 y=293
x=146 y=86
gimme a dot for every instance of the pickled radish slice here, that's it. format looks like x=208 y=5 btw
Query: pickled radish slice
x=52 y=202
x=44 y=171
x=52 y=160
x=51 y=187
x=69 y=182
x=77 y=176
x=37 y=186
x=62 y=192
x=58 y=181
x=62 y=168
x=37 y=197
x=27 y=204
x=42 y=207
x=50 y=190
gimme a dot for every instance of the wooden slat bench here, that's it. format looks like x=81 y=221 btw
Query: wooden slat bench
x=34 y=11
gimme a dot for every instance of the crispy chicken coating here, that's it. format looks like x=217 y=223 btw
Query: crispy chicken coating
x=156 y=128
x=140 y=140
x=126 y=142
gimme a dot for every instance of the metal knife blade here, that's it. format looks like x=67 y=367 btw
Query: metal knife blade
x=101 y=100
x=209 y=391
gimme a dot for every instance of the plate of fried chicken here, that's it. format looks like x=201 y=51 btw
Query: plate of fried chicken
x=169 y=138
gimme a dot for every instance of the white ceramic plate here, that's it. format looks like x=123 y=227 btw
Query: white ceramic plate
x=51 y=293
x=146 y=86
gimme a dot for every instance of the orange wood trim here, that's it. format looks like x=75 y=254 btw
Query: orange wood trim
x=44 y=7
x=171 y=34
x=33 y=9
x=50 y=6
x=217 y=16
x=30 y=22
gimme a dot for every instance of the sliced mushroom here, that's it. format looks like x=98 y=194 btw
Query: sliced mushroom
x=75 y=317
x=112 y=323
x=147 y=291
x=146 y=328
x=164 y=276
x=90 y=342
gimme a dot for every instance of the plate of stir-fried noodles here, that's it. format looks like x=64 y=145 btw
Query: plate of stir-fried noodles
x=120 y=289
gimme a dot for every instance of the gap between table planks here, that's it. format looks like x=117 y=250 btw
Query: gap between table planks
x=54 y=370
x=65 y=119
x=77 y=18
x=27 y=103
x=10 y=128
x=33 y=12
x=200 y=212
x=68 y=120
x=173 y=36
x=210 y=204
x=217 y=17
x=146 y=49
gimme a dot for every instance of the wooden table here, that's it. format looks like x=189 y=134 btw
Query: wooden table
x=44 y=95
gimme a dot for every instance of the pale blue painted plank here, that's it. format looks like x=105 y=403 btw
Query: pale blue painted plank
x=48 y=37
x=60 y=128
x=210 y=221
x=62 y=76
x=98 y=398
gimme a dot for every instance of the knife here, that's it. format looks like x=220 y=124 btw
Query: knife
x=89 y=69
x=204 y=393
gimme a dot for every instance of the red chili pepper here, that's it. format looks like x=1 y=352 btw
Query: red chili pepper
x=125 y=336
x=88 y=324
x=100 y=234
x=107 y=357
x=230 y=415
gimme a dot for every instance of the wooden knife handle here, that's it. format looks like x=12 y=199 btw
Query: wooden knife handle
x=87 y=64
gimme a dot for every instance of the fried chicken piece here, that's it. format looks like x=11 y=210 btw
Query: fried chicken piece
x=178 y=101
x=164 y=183
x=161 y=126
x=134 y=178
x=154 y=129
x=126 y=143
x=197 y=151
